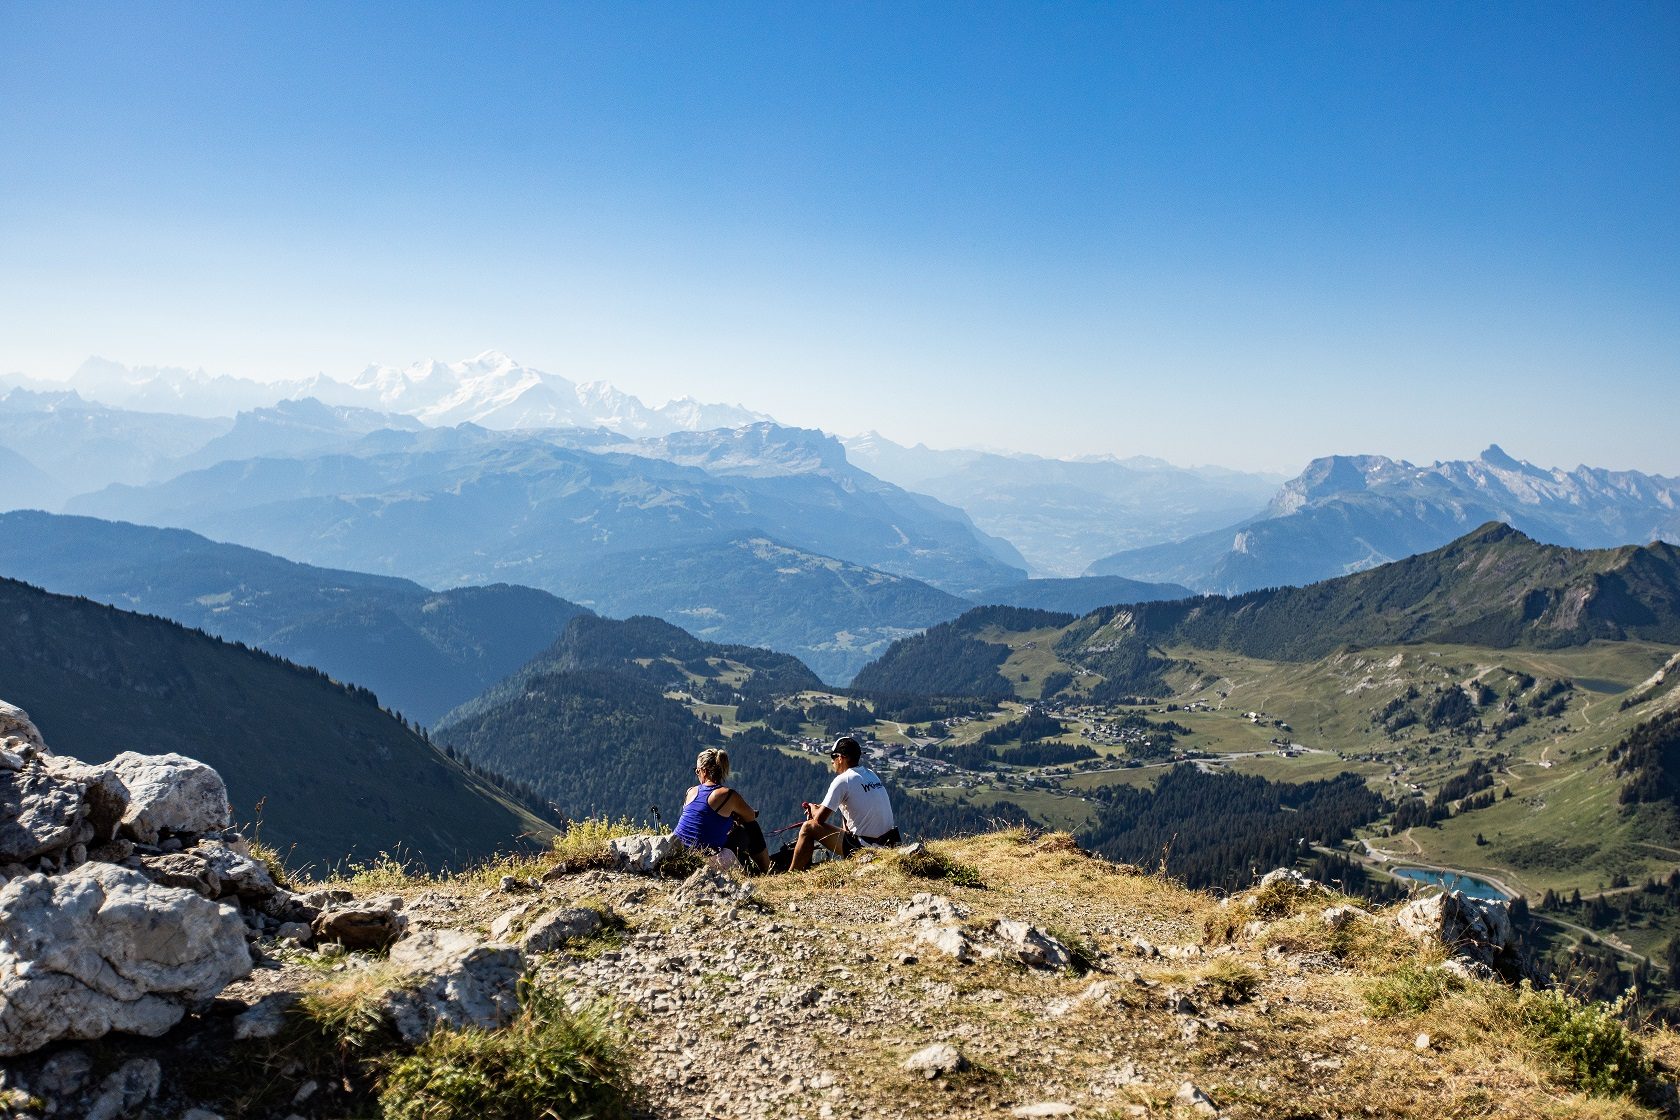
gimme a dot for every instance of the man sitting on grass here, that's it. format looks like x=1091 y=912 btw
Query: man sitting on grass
x=865 y=809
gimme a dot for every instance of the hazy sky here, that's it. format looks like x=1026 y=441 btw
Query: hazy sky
x=1232 y=233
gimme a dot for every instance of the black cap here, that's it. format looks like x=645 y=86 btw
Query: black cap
x=846 y=747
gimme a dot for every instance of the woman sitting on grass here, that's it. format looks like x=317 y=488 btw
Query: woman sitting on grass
x=717 y=820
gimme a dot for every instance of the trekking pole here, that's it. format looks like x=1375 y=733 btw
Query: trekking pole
x=785 y=828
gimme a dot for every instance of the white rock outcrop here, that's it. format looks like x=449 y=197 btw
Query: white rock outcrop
x=103 y=948
x=1476 y=928
x=170 y=793
x=456 y=981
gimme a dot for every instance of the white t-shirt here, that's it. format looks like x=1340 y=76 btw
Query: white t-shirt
x=862 y=800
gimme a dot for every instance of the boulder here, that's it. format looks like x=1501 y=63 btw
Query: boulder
x=553 y=929
x=935 y=1061
x=170 y=793
x=239 y=874
x=103 y=794
x=39 y=814
x=17 y=731
x=372 y=924
x=455 y=981
x=183 y=870
x=641 y=853
x=1032 y=946
x=930 y=908
x=101 y=949
x=1477 y=928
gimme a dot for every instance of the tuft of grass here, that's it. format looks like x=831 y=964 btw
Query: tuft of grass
x=344 y=1007
x=1584 y=1044
x=1233 y=981
x=584 y=844
x=1082 y=949
x=931 y=862
x=550 y=1062
x=386 y=872
x=681 y=862
x=1410 y=989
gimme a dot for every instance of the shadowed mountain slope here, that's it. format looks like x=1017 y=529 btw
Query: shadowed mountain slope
x=325 y=771
x=422 y=652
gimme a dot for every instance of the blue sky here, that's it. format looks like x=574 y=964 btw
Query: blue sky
x=1238 y=234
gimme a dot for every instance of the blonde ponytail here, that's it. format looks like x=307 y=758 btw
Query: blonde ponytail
x=714 y=764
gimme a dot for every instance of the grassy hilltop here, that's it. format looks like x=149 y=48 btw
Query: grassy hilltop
x=803 y=996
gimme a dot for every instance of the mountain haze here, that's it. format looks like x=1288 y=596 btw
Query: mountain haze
x=846 y=565
x=1063 y=514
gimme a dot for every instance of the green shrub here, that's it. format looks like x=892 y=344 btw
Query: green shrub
x=550 y=1062
x=1586 y=1044
x=584 y=844
x=926 y=863
x=1410 y=990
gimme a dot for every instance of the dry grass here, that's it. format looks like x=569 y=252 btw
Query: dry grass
x=1298 y=1035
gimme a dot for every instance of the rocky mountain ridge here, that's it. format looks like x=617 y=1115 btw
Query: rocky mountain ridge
x=1007 y=973
x=1347 y=513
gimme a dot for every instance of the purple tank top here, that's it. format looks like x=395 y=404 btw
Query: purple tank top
x=701 y=826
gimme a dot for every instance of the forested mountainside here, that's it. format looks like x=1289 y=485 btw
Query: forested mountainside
x=422 y=652
x=326 y=773
x=1078 y=596
x=592 y=724
x=1493 y=587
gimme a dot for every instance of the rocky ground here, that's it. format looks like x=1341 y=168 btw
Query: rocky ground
x=1009 y=974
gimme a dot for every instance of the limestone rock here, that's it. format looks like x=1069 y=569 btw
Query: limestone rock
x=642 y=853
x=1479 y=929
x=372 y=924
x=553 y=929
x=457 y=981
x=1340 y=917
x=1032 y=946
x=134 y=1083
x=104 y=796
x=266 y=1018
x=170 y=793
x=1192 y=1097
x=930 y=908
x=1043 y=1109
x=17 y=730
x=103 y=948
x=936 y=1061
x=38 y=813
x=508 y=919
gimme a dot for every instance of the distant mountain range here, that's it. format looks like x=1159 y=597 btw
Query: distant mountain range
x=620 y=532
x=422 y=652
x=491 y=390
x=1348 y=513
x=326 y=773
x=1063 y=514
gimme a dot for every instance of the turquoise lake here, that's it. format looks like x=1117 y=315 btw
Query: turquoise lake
x=1469 y=885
